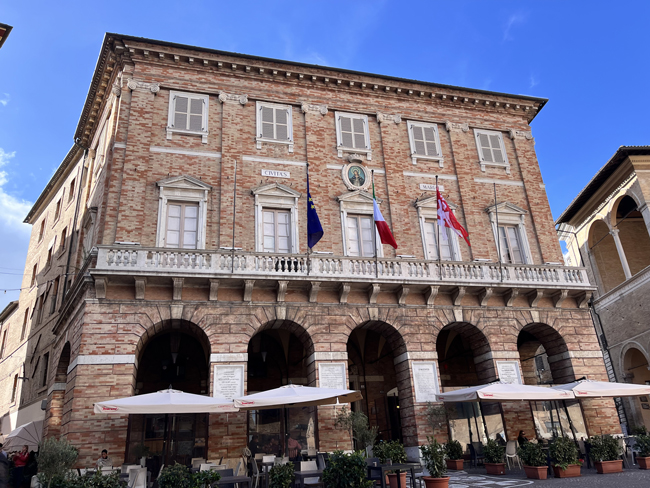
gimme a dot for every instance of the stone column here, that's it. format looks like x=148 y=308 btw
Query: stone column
x=621 y=253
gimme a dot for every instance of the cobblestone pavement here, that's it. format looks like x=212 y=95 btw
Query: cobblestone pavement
x=474 y=478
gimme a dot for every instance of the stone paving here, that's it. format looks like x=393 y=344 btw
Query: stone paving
x=474 y=478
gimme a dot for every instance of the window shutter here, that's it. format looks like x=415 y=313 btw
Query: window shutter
x=196 y=114
x=430 y=140
x=267 y=122
x=418 y=140
x=359 y=134
x=495 y=142
x=346 y=131
x=180 y=112
x=484 y=144
x=281 y=124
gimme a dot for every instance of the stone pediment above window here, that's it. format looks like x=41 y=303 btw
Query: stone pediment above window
x=276 y=189
x=508 y=213
x=357 y=201
x=428 y=207
x=183 y=182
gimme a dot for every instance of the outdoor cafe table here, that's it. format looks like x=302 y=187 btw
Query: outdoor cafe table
x=301 y=475
x=231 y=480
x=266 y=467
x=396 y=467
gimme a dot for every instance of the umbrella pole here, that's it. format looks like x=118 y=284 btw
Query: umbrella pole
x=286 y=431
x=469 y=423
x=487 y=434
x=568 y=416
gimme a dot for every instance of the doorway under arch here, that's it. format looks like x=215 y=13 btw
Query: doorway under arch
x=176 y=357
x=603 y=250
x=55 y=412
x=635 y=365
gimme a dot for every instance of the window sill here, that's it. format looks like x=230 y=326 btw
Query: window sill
x=367 y=152
x=505 y=165
x=203 y=134
x=440 y=159
x=261 y=140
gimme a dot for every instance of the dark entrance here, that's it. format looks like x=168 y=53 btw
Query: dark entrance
x=176 y=358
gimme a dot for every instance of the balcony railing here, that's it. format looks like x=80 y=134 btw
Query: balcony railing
x=122 y=259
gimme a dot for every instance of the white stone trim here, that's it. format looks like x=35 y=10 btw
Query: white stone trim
x=119 y=145
x=327 y=356
x=274 y=106
x=496 y=355
x=428 y=210
x=186 y=152
x=276 y=196
x=257 y=159
x=170 y=115
x=339 y=141
x=575 y=354
x=430 y=175
x=491 y=181
x=416 y=355
x=360 y=203
x=229 y=357
x=481 y=160
x=95 y=359
x=510 y=214
x=414 y=156
x=56 y=387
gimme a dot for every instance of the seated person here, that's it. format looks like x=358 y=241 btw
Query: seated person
x=294 y=446
x=104 y=461
x=522 y=438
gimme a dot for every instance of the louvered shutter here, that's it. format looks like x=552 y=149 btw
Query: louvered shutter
x=180 y=112
x=484 y=144
x=418 y=140
x=346 y=131
x=281 y=124
x=430 y=141
x=196 y=114
x=359 y=134
x=267 y=122
x=495 y=142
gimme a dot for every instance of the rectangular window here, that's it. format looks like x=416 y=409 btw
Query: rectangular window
x=55 y=293
x=46 y=363
x=431 y=233
x=352 y=133
x=64 y=235
x=57 y=211
x=48 y=262
x=182 y=225
x=491 y=150
x=41 y=231
x=274 y=124
x=510 y=242
x=361 y=235
x=23 y=332
x=40 y=302
x=277 y=231
x=100 y=149
x=14 y=389
x=188 y=113
x=425 y=141
x=4 y=343
x=71 y=191
x=34 y=273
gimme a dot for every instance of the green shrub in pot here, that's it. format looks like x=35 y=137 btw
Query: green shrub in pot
x=643 y=445
x=393 y=450
x=531 y=454
x=346 y=471
x=282 y=476
x=604 y=448
x=433 y=455
x=454 y=450
x=493 y=452
x=564 y=452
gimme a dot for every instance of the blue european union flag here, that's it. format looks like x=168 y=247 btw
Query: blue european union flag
x=314 y=227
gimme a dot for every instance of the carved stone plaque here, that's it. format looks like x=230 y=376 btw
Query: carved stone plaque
x=509 y=372
x=425 y=381
x=228 y=381
x=332 y=375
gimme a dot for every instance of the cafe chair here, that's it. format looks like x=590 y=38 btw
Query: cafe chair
x=475 y=457
x=224 y=473
x=256 y=475
x=511 y=453
x=268 y=458
x=310 y=466
x=374 y=471
x=196 y=462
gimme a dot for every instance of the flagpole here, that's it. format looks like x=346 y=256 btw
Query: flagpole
x=308 y=203
x=234 y=209
x=496 y=212
x=438 y=231
x=372 y=177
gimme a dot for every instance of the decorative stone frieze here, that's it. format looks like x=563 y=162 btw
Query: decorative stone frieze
x=313 y=108
x=143 y=86
x=456 y=127
x=383 y=118
x=232 y=98
x=520 y=134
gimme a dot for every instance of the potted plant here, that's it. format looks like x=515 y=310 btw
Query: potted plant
x=282 y=476
x=454 y=452
x=55 y=459
x=433 y=455
x=605 y=451
x=494 y=452
x=174 y=476
x=346 y=471
x=393 y=452
x=357 y=424
x=142 y=452
x=564 y=454
x=534 y=461
x=643 y=447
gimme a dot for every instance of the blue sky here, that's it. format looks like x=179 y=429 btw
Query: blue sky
x=592 y=63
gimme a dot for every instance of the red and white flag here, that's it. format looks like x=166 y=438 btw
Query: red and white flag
x=385 y=235
x=446 y=218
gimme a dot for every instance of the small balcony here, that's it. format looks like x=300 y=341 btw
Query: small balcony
x=120 y=262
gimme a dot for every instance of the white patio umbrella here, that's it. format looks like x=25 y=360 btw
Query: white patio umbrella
x=30 y=434
x=165 y=401
x=598 y=389
x=504 y=392
x=296 y=396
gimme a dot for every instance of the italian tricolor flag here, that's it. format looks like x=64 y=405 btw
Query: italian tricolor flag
x=385 y=235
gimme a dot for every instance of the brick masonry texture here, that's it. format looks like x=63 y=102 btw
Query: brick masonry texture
x=119 y=202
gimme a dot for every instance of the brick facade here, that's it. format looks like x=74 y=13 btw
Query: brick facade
x=117 y=302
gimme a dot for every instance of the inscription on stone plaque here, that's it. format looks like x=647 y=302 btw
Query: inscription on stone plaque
x=431 y=187
x=509 y=372
x=276 y=174
x=332 y=375
x=425 y=380
x=228 y=381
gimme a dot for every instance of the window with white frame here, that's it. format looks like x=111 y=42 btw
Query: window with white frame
x=182 y=212
x=360 y=236
x=277 y=230
x=425 y=142
x=510 y=233
x=352 y=133
x=188 y=114
x=491 y=149
x=274 y=124
x=431 y=232
x=276 y=218
x=100 y=149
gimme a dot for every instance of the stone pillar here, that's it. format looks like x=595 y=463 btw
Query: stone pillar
x=227 y=432
x=621 y=253
x=54 y=411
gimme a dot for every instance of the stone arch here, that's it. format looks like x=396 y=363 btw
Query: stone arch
x=464 y=355
x=56 y=399
x=635 y=364
x=602 y=250
x=633 y=356
x=632 y=232
x=547 y=344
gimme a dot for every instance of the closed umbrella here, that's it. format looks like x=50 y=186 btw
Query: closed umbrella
x=599 y=389
x=165 y=401
x=30 y=434
x=504 y=392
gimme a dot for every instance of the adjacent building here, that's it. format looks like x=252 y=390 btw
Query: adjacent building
x=170 y=248
x=606 y=229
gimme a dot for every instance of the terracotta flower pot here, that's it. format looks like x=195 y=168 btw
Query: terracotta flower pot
x=430 y=482
x=455 y=464
x=605 y=467
x=392 y=480
x=536 y=472
x=572 y=471
x=495 y=468
x=644 y=462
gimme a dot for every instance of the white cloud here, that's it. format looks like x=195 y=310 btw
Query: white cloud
x=5 y=99
x=12 y=210
x=533 y=81
x=512 y=20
